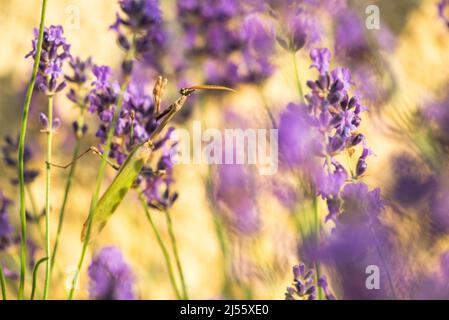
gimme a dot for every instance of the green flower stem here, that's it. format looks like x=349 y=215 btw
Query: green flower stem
x=36 y=268
x=21 y=153
x=176 y=254
x=298 y=81
x=98 y=183
x=35 y=211
x=162 y=246
x=47 y=195
x=267 y=108
x=220 y=233
x=3 y=282
x=317 y=232
x=68 y=187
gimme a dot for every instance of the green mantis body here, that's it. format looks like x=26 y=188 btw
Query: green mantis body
x=133 y=165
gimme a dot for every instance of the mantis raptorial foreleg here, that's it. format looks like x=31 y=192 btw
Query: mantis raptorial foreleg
x=91 y=149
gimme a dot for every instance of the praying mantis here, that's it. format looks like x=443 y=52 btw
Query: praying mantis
x=129 y=171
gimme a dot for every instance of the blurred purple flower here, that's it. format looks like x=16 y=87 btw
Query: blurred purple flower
x=55 y=51
x=236 y=196
x=439 y=202
x=350 y=38
x=297 y=138
x=233 y=43
x=5 y=225
x=9 y=153
x=302 y=26
x=140 y=27
x=412 y=182
x=358 y=241
x=110 y=277
x=442 y=7
x=258 y=47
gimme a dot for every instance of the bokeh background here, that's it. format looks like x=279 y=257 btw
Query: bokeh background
x=262 y=261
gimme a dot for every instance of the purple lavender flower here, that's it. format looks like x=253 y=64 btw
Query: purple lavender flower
x=322 y=283
x=442 y=5
x=350 y=38
x=321 y=59
x=303 y=287
x=297 y=137
x=413 y=182
x=300 y=24
x=235 y=196
x=233 y=44
x=9 y=152
x=110 y=277
x=140 y=26
x=358 y=241
x=80 y=74
x=55 y=51
x=5 y=225
x=312 y=135
x=258 y=47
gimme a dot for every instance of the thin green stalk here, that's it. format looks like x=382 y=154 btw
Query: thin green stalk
x=267 y=108
x=68 y=187
x=36 y=268
x=317 y=232
x=98 y=183
x=224 y=250
x=298 y=81
x=35 y=211
x=221 y=239
x=21 y=153
x=176 y=254
x=47 y=195
x=162 y=246
x=3 y=282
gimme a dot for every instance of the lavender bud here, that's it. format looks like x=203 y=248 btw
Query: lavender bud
x=357 y=139
x=344 y=102
x=43 y=120
x=352 y=102
x=335 y=144
x=361 y=166
x=61 y=86
x=123 y=42
x=127 y=67
x=323 y=82
x=56 y=123
x=356 y=121
x=334 y=97
x=312 y=85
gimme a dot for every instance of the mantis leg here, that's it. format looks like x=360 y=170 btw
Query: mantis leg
x=93 y=150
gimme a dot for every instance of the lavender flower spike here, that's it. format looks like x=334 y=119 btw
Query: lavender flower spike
x=110 y=277
x=55 y=51
x=321 y=59
x=303 y=287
